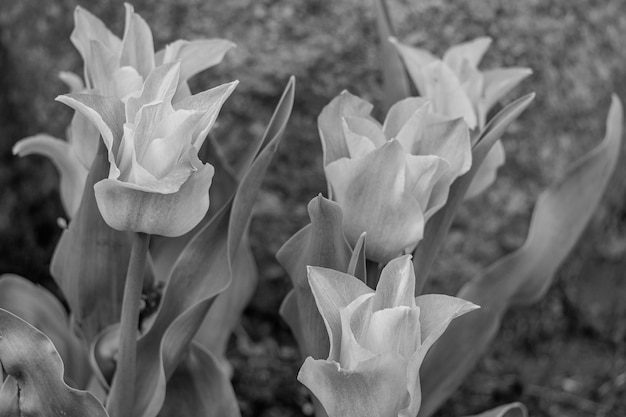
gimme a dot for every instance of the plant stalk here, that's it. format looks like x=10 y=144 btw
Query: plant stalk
x=121 y=397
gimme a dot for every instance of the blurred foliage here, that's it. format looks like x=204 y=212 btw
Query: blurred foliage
x=562 y=357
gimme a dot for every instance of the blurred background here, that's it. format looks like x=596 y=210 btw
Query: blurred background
x=565 y=356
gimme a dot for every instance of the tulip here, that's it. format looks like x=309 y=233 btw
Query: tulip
x=113 y=67
x=457 y=88
x=156 y=184
x=378 y=340
x=390 y=179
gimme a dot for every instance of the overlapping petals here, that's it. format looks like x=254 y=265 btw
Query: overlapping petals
x=378 y=340
x=390 y=179
x=457 y=88
x=156 y=182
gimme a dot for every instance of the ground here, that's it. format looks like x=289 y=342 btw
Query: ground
x=565 y=356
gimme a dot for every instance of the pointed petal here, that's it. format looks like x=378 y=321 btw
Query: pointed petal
x=375 y=201
x=334 y=291
x=137 y=45
x=210 y=102
x=355 y=319
x=396 y=285
x=196 y=56
x=102 y=65
x=467 y=52
x=73 y=173
x=369 y=128
x=393 y=330
x=125 y=206
x=73 y=81
x=159 y=86
x=446 y=93
x=487 y=172
x=425 y=182
x=376 y=388
x=415 y=60
x=400 y=113
x=106 y=113
x=497 y=83
x=330 y=123
x=358 y=145
x=83 y=137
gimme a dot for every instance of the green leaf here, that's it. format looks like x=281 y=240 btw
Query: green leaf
x=83 y=265
x=41 y=309
x=199 y=388
x=522 y=277
x=30 y=358
x=320 y=243
x=508 y=410
x=437 y=226
x=395 y=80
x=202 y=271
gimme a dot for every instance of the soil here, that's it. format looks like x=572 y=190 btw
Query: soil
x=565 y=356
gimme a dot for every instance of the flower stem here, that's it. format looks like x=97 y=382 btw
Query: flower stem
x=121 y=397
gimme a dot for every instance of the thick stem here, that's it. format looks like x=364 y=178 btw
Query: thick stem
x=121 y=397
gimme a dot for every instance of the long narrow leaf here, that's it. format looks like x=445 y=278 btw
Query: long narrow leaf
x=437 y=227
x=522 y=277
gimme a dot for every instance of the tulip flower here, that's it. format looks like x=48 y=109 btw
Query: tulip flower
x=390 y=179
x=457 y=88
x=156 y=184
x=113 y=67
x=378 y=340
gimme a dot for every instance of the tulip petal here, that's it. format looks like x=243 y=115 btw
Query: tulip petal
x=358 y=145
x=437 y=311
x=159 y=86
x=106 y=113
x=497 y=83
x=376 y=388
x=354 y=319
x=330 y=123
x=415 y=60
x=73 y=174
x=102 y=65
x=396 y=285
x=30 y=358
x=83 y=137
x=369 y=128
x=125 y=206
x=400 y=113
x=470 y=53
x=9 y=397
x=196 y=56
x=210 y=102
x=334 y=291
x=376 y=202
x=73 y=81
x=137 y=48
x=42 y=310
x=445 y=92
x=392 y=330
x=487 y=172
x=428 y=180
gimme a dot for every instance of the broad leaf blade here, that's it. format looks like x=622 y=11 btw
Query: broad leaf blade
x=30 y=358
x=82 y=263
x=42 y=310
x=437 y=226
x=199 y=388
x=320 y=243
x=522 y=277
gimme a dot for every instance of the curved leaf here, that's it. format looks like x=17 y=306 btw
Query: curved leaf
x=199 y=388
x=320 y=243
x=522 y=277
x=30 y=358
x=437 y=227
x=508 y=410
x=42 y=310
x=202 y=271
